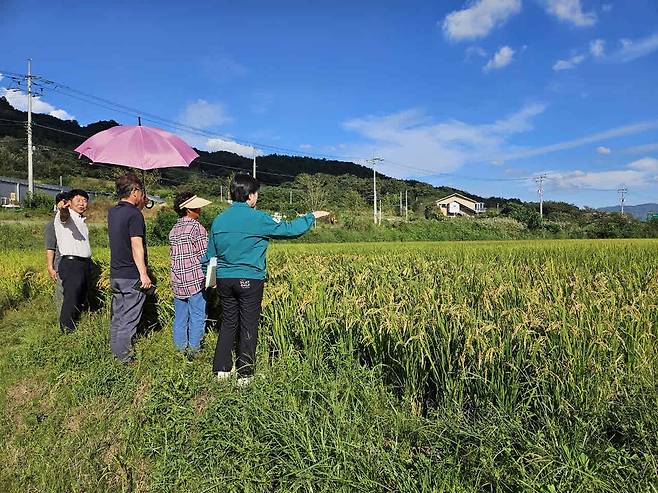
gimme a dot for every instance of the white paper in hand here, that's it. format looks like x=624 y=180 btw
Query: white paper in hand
x=211 y=273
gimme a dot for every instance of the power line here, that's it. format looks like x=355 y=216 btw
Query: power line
x=120 y=108
x=196 y=161
x=66 y=90
x=454 y=175
x=60 y=130
x=69 y=91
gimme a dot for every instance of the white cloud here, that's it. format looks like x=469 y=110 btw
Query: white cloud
x=18 y=100
x=568 y=64
x=223 y=143
x=202 y=114
x=503 y=57
x=588 y=139
x=642 y=148
x=411 y=140
x=305 y=147
x=631 y=50
x=648 y=164
x=475 y=51
x=61 y=114
x=602 y=180
x=639 y=174
x=219 y=144
x=479 y=18
x=570 y=11
x=597 y=48
x=222 y=67
x=604 y=151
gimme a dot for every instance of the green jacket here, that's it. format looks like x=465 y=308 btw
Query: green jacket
x=239 y=237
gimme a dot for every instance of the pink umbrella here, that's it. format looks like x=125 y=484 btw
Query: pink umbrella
x=137 y=147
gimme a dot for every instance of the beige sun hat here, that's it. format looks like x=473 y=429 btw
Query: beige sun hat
x=195 y=202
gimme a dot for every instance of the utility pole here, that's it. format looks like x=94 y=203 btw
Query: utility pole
x=400 y=203
x=380 y=210
x=622 y=190
x=406 y=205
x=30 y=173
x=373 y=162
x=221 y=193
x=254 y=162
x=540 y=183
x=290 y=197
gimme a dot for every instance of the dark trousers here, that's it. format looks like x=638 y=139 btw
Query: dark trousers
x=241 y=300
x=75 y=275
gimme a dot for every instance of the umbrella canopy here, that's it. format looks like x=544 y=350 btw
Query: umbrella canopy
x=137 y=147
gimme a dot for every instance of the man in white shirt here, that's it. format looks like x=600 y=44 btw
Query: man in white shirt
x=75 y=264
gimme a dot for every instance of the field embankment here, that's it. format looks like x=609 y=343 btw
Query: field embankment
x=519 y=366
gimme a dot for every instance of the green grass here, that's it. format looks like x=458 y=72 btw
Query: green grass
x=491 y=366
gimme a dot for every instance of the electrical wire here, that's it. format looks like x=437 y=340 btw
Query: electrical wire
x=42 y=83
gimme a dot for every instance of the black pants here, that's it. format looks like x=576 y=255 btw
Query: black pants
x=75 y=275
x=241 y=300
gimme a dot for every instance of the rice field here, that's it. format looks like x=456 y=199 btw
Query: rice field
x=488 y=366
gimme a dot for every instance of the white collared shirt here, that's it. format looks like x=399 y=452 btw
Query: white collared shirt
x=73 y=235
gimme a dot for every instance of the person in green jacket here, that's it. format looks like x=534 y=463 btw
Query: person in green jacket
x=239 y=238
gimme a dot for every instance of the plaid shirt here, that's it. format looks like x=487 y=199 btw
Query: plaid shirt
x=188 y=240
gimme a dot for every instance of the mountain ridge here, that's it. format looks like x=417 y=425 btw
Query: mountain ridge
x=639 y=211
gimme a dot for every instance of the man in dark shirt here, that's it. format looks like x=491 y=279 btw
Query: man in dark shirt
x=128 y=274
x=53 y=257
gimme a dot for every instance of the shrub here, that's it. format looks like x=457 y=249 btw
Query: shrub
x=158 y=229
x=38 y=201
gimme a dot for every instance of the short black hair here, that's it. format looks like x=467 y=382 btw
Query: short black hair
x=77 y=191
x=180 y=198
x=126 y=184
x=242 y=186
x=61 y=196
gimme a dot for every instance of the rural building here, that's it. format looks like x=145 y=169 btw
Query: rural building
x=12 y=190
x=459 y=205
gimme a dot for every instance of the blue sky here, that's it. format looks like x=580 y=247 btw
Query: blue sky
x=481 y=95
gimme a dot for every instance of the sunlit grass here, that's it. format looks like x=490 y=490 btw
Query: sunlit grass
x=494 y=366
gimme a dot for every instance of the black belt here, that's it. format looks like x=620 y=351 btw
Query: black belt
x=75 y=257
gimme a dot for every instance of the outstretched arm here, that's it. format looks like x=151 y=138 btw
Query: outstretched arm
x=289 y=229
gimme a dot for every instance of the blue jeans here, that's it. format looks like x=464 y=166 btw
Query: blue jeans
x=189 y=321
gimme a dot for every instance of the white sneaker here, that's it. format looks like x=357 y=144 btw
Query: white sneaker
x=223 y=375
x=243 y=381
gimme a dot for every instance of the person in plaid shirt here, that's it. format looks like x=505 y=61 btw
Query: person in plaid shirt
x=188 y=240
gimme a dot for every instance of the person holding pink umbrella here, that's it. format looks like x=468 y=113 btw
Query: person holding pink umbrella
x=144 y=148
x=128 y=264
